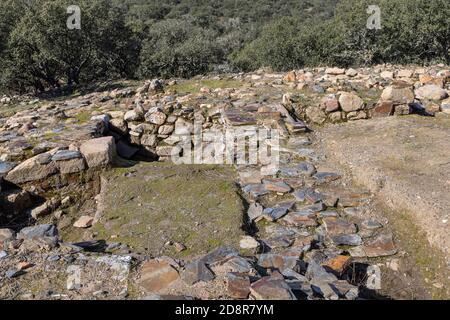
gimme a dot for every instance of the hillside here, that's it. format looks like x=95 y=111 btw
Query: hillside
x=95 y=203
x=145 y=39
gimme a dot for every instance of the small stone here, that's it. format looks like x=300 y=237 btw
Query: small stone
x=324 y=289
x=3 y=254
x=71 y=166
x=336 y=226
x=84 y=222
x=155 y=86
x=290 y=77
x=66 y=201
x=432 y=92
x=54 y=257
x=179 y=247
x=351 y=72
x=277 y=231
x=380 y=246
x=249 y=243
x=195 y=272
x=371 y=224
x=73 y=279
x=387 y=74
x=23 y=265
x=276 y=186
x=220 y=256
x=277 y=212
x=157 y=275
x=6 y=167
x=337 y=264
x=347 y=240
x=317 y=89
x=149 y=140
x=158 y=118
x=13 y=273
x=99 y=152
x=238 y=285
x=383 y=109
x=6 y=235
x=316 y=207
x=346 y=290
x=331 y=104
x=335 y=71
x=166 y=129
x=63 y=155
x=350 y=102
x=393 y=264
x=255 y=190
x=39 y=231
x=134 y=115
x=300 y=219
x=41 y=210
x=445 y=107
x=255 y=211
x=277 y=261
x=237 y=265
x=402 y=110
x=326 y=177
x=306 y=169
x=401 y=93
x=272 y=288
x=317 y=273
x=405 y=73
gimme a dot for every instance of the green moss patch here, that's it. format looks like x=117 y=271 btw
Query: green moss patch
x=150 y=204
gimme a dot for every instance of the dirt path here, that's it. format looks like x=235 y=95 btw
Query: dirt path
x=405 y=162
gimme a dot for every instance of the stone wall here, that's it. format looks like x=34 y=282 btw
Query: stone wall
x=339 y=95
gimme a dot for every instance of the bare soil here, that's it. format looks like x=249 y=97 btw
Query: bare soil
x=405 y=162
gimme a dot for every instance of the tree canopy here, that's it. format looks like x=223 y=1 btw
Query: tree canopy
x=165 y=38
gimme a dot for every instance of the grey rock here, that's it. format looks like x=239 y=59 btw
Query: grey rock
x=219 y=256
x=347 y=240
x=306 y=168
x=255 y=190
x=432 y=92
x=371 y=224
x=156 y=85
x=325 y=177
x=278 y=242
x=272 y=288
x=317 y=89
x=6 y=167
x=63 y=155
x=195 y=272
x=13 y=273
x=277 y=261
x=238 y=265
x=318 y=274
x=42 y=230
x=255 y=211
x=325 y=290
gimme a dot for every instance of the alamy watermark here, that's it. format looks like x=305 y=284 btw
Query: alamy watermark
x=74 y=20
x=374 y=20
